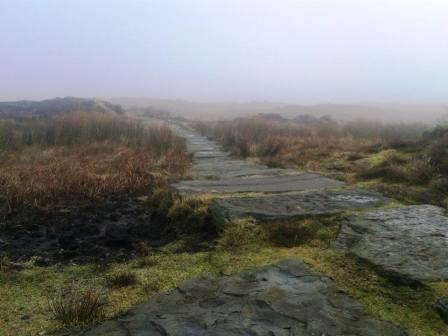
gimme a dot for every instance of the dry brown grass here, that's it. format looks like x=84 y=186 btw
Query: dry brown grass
x=308 y=143
x=84 y=157
x=77 y=305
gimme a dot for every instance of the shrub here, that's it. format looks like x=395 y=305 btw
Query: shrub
x=419 y=170
x=190 y=215
x=296 y=232
x=162 y=199
x=241 y=233
x=77 y=305
x=122 y=278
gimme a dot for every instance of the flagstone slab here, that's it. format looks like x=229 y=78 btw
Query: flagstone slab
x=305 y=204
x=278 y=183
x=284 y=299
x=409 y=244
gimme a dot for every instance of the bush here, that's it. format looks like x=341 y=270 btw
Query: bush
x=162 y=199
x=241 y=233
x=123 y=278
x=77 y=305
x=190 y=215
x=419 y=170
x=296 y=232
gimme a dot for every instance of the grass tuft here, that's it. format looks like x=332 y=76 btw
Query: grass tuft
x=122 y=278
x=190 y=215
x=241 y=234
x=76 y=304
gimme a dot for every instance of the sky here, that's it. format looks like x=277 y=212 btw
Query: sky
x=314 y=51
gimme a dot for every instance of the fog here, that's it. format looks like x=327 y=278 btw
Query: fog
x=290 y=51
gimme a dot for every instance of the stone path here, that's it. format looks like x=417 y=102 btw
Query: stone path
x=283 y=299
x=408 y=244
x=216 y=172
x=288 y=298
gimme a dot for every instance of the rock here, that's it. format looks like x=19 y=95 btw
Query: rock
x=219 y=168
x=286 y=298
x=441 y=306
x=409 y=244
x=305 y=204
x=279 y=183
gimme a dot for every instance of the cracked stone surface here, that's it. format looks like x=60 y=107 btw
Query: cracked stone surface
x=409 y=244
x=279 y=183
x=283 y=299
x=281 y=206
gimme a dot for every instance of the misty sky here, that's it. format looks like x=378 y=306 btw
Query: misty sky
x=333 y=51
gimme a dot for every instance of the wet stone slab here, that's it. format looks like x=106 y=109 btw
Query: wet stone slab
x=210 y=162
x=217 y=168
x=305 y=204
x=409 y=244
x=283 y=299
x=279 y=183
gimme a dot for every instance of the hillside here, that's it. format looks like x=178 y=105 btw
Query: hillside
x=429 y=114
x=50 y=107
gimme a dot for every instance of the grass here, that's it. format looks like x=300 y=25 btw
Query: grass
x=408 y=162
x=240 y=246
x=79 y=157
x=306 y=143
x=105 y=291
x=190 y=215
x=76 y=305
x=25 y=293
x=122 y=278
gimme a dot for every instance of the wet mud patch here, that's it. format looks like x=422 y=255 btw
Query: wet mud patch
x=114 y=229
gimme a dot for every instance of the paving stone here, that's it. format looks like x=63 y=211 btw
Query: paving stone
x=283 y=299
x=305 y=204
x=278 y=183
x=409 y=244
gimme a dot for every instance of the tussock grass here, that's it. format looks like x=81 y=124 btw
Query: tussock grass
x=77 y=304
x=83 y=157
x=405 y=161
x=242 y=234
x=190 y=215
x=122 y=278
x=304 y=142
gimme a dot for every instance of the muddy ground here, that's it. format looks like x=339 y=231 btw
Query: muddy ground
x=115 y=229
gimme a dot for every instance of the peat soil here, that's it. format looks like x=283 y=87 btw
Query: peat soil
x=117 y=228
